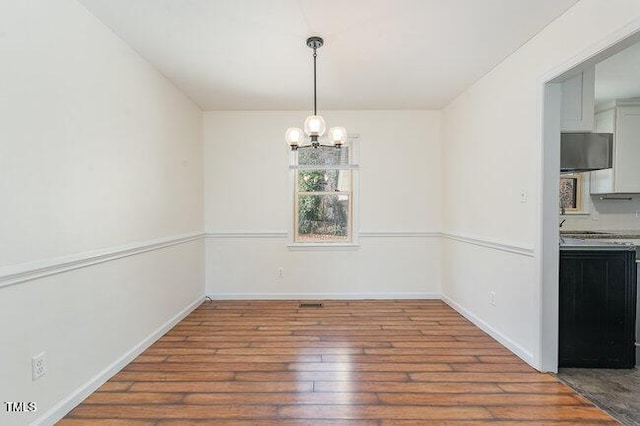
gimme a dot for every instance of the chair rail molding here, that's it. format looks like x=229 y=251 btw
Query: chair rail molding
x=245 y=234
x=491 y=244
x=16 y=274
x=284 y=234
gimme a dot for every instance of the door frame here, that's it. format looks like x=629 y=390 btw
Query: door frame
x=548 y=237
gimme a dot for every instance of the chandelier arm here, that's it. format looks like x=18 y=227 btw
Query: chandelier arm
x=315 y=146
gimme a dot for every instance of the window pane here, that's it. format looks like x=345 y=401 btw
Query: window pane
x=323 y=218
x=323 y=156
x=324 y=180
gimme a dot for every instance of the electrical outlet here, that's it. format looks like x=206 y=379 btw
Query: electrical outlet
x=596 y=215
x=38 y=366
x=281 y=272
x=492 y=298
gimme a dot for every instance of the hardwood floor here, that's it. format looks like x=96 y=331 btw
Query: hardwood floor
x=350 y=362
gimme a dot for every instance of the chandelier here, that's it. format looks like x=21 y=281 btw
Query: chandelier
x=314 y=125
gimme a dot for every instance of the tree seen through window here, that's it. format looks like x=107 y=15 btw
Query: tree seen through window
x=323 y=195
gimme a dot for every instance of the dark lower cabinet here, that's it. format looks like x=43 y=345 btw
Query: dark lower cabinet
x=597 y=308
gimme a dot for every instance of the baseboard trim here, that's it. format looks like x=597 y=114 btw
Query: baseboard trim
x=501 y=338
x=57 y=412
x=35 y=270
x=495 y=245
x=322 y=296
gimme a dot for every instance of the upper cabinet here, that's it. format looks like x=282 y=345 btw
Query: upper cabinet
x=578 y=102
x=623 y=120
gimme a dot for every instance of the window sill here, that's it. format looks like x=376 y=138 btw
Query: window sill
x=323 y=246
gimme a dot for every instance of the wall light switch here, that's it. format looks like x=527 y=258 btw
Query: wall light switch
x=523 y=196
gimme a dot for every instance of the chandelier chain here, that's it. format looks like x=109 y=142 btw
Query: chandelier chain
x=315 y=101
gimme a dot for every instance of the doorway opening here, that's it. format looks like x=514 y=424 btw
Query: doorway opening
x=552 y=86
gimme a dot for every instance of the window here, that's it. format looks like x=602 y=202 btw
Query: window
x=571 y=193
x=323 y=205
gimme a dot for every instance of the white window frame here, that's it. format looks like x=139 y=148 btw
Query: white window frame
x=583 y=194
x=294 y=167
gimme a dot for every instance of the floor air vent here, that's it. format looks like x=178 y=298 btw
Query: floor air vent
x=310 y=305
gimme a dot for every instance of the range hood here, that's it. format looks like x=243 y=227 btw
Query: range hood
x=584 y=152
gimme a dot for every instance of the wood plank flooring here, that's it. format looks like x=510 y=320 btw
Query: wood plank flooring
x=350 y=362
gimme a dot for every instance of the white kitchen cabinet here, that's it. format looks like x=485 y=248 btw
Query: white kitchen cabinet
x=578 y=102
x=623 y=120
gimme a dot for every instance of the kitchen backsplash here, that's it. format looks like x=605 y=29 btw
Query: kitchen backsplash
x=606 y=215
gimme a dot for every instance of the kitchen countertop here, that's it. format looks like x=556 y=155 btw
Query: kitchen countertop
x=594 y=240
x=567 y=243
x=609 y=235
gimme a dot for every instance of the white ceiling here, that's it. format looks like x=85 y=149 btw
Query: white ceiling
x=619 y=76
x=378 y=54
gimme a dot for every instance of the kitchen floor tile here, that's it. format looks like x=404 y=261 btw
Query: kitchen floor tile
x=615 y=391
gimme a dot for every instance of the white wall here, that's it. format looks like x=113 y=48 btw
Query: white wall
x=493 y=151
x=248 y=208
x=101 y=221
